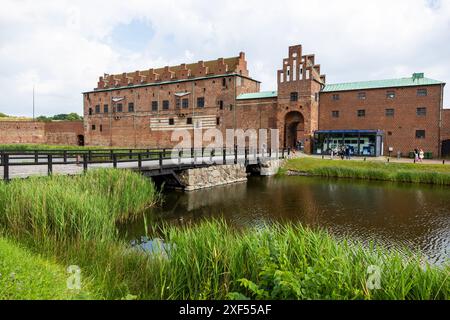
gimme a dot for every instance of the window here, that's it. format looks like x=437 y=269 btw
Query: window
x=97 y=108
x=361 y=113
x=361 y=95
x=105 y=108
x=335 y=114
x=422 y=92
x=200 y=102
x=93 y=127
x=421 y=111
x=389 y=133
x=221 y=104
x=189 y=120
x=171 y=121
x=420 y=134
x=131 y=107
x=119 y=107
x=154 y=105
x=390 y=112
x=101 y=128
x=90 y=111
x=294 y=96
x=185 y=103
x=224 y=82
x=390 y=94
x=165 y=104
x=336 y=97
x=218 y=121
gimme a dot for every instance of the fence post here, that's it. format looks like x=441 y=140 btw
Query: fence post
x=5 y=162
x=85 y=162
x=139 y=161
x=246 y=156
x=180 y=154
x=90 y=155
x=36 y=157
x=160 y=161
x=130 y=155
x=49 y=164
x=65 y=156
x=114 y=160
x=111 y=152
x=235 y=154
x=270 y=153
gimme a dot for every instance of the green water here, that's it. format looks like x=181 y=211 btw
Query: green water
x=391 y=214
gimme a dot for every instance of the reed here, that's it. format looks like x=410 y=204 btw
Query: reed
x=80 y=207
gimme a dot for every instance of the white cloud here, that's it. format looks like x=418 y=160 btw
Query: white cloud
x=63 y=46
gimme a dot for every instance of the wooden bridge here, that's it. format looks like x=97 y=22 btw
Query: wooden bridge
x=151 y=162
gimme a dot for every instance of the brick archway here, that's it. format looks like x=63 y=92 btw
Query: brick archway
x=294 y=129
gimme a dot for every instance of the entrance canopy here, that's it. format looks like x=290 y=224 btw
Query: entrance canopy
x=358 y=142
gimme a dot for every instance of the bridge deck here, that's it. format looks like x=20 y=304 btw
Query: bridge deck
x=23 y=165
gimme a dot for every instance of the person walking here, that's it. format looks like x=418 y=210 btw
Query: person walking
x=416 y=155
x=421 y=155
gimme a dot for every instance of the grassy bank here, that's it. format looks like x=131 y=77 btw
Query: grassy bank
x=63 y=221
x=371 y=170
x=72 y=219
x=24 y=275
x=214 y=261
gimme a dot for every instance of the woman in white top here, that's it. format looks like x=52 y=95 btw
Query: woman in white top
x=421 y=155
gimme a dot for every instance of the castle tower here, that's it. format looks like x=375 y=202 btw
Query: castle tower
x=299 y=84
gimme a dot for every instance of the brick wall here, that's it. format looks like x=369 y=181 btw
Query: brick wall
x=145 y=127
x=35 y=132
x=399 y=129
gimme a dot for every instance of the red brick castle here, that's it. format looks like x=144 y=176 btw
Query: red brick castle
x=142 y=108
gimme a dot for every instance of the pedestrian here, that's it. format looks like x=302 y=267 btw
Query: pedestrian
x=332 y=154
x=347 y=152
x=421 y=155
x=416 y=155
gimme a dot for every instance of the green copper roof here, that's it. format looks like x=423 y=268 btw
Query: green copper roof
x=416 y=80
x=257 y=95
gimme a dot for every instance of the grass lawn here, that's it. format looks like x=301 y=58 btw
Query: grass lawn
x=25 y=275
x=372 y=170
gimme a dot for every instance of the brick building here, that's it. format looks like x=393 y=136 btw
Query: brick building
x=143 y=108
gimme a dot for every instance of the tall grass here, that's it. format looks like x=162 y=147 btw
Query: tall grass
x=213 y=261
x=372 y=170
x=73 y=221
x=80 y=207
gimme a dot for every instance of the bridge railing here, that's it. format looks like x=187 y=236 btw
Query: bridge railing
x=197 y=156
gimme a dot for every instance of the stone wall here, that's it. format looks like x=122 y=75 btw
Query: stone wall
x=207 y=177
x=37 y=132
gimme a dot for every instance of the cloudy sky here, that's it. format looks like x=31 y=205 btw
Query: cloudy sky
x=62 y=47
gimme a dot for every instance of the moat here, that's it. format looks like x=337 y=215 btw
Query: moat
x=391 y=214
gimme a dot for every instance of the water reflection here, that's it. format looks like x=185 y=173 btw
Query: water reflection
x=388 y=213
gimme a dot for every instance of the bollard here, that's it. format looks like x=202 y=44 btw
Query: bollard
x=5 y=162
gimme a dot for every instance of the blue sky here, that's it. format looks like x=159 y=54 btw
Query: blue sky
x=62 y=47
